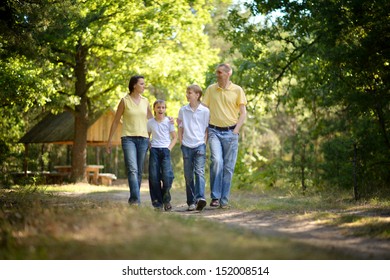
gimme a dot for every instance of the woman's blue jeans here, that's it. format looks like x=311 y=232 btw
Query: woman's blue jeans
x=134 y=151
x=223 y=149
x=194 y=160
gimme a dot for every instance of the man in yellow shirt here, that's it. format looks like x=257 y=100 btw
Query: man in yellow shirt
x=227 y=104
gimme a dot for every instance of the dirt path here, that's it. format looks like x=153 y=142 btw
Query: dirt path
x=296 y=227
x=301 y=229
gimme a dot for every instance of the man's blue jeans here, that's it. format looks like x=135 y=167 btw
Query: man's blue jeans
x=160 y=170
x=223 y=149
x=134 y=151
x=194 y=165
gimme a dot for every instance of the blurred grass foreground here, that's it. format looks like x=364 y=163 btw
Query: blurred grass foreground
x=82 y=221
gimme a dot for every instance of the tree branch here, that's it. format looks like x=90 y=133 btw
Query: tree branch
x=287 y=66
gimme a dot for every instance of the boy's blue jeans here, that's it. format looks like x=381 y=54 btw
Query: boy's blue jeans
x=134 y=152
x=223 y=149
x=160 y=171
x=194 y=165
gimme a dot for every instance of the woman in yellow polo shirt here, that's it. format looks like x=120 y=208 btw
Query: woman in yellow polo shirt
x=134 y=109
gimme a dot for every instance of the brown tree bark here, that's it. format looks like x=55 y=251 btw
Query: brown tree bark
x=79 y=149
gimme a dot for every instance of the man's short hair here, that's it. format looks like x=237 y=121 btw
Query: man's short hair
x=226 y=67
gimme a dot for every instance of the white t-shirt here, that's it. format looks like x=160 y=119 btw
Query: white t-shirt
x=161 y=132
x=194 y=125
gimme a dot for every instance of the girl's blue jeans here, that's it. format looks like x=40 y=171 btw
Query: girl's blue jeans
x=160 y=176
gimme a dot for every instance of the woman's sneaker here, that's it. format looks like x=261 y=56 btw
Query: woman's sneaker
x=200 y=204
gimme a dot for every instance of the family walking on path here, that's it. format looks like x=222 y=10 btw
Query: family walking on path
x=216 y=118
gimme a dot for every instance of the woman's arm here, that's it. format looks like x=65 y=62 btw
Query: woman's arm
x=114 y=125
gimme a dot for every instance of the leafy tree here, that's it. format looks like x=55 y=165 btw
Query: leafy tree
x=92 y=47
x=322 y=62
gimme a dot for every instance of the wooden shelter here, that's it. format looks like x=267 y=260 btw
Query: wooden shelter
x=59 y=129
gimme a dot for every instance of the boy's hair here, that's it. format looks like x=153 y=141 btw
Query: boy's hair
x=196 y=89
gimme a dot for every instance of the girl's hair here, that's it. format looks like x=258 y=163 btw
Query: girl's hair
x=196 y=89
x=159 y=101
x=133 y=81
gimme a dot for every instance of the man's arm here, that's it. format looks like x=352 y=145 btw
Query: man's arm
x=241 y=119
x=149 y=113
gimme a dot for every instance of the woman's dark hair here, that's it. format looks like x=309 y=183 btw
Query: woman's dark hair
x=133 y=81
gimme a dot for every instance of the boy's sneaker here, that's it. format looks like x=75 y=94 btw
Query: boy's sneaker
x=192 y=207
x=201 y=204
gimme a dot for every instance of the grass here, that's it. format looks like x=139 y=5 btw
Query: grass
x=65 y=222
x=370 y=218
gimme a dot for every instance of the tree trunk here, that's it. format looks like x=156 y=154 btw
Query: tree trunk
x=303 y=164
x=25 y=161
x=355 y=186
x=382 y=124
x=79 y=149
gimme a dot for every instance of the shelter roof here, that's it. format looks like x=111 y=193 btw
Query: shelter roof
x=59 y=129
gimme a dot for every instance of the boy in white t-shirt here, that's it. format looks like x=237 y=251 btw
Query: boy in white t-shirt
x=193 y=122
x=164 y=138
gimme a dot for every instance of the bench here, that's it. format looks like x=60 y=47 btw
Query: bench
x=106 y=179
x=44 y=177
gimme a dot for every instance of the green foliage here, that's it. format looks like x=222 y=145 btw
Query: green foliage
x=318 y=73
x=338 y=162
x=161 y=40
x=80 y=55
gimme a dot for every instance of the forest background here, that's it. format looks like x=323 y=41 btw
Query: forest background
x=316 y=75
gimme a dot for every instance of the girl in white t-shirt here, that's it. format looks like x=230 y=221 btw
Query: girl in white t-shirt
x=164 y=138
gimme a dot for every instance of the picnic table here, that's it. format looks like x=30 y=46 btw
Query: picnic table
x=91 y=171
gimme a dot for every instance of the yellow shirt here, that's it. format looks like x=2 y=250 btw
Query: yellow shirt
x=135 y=117
x=224 y=104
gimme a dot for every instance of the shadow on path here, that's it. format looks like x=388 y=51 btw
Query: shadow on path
x=296 y=227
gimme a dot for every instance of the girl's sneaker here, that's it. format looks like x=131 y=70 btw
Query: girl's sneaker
x=192 y=207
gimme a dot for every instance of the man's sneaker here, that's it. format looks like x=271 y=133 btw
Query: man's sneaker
x=214 y=203
x=201 y=204
x=192 y=207
x=226 y=206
